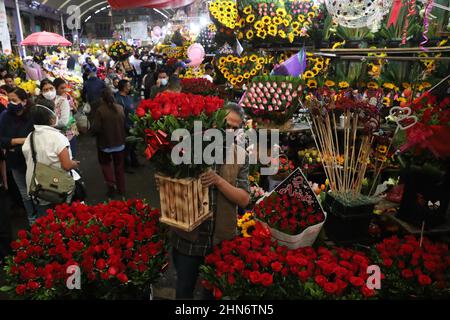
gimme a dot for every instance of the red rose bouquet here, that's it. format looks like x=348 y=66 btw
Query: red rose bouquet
x=156 y=119
x=257 y=268
x=200 y=86
x=117 y=247
x=432 y=130
x=287 y=214
x=412 y=270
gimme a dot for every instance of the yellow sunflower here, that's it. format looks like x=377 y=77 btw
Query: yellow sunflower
x=229 y=58
x=301 y=18
x=261 y=34
x=266 y=20
x=312 y=84
x=261 y=60
x=295 y=25
x=308 y=74
x=250 y=18
x=281 y=12
x=272 y=31
x=282 y=34
x=253 y=58
x=344 y=84
x=246 y=75
x=244 y=59
x=250 y=34
x=259 y=25
x=253 y=72
x=248 y=9
x=277 y=20
x=311 y=14
x=389 y=85
x=330 y=83
x=286 y=22
x=372 y=85
x=297 y=33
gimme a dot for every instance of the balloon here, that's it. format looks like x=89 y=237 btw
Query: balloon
x=157 y=31
x=196 y=54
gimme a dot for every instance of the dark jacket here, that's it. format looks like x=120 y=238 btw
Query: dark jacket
x=14 y=126
x=109 y=126
x=92 y=89
x=128 y=107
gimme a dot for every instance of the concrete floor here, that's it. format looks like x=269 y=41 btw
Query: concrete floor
x=141 y=184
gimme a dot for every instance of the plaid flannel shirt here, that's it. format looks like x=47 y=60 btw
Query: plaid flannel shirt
x=204 y=243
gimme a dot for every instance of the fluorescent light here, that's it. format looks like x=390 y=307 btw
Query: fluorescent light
x=161 y=13
x=87 y=19
x=96 y=11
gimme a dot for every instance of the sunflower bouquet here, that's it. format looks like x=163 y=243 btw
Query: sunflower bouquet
x=238 y=70
x=224 y=12
x=276 y=20
x=120 y=51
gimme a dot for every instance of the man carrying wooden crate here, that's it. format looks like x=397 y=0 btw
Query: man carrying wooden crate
x=229 y=188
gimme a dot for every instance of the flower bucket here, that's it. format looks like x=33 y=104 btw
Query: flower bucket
x=304 y=239
x=184 y=202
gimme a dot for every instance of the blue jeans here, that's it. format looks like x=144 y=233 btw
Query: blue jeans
x=187 y=268
x=20 y=179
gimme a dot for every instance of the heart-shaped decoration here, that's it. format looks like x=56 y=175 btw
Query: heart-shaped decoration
x=238 y=70
x=225 y=12
x=402 y=116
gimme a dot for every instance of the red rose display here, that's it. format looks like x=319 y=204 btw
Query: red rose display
x=200 y=86
x=287 y=214
x=117 y=247
x=412 y=270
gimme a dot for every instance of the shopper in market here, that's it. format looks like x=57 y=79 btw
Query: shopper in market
x=88 y=68
x=230 y=189
x=209 y=72
x=15 y=125
x=91 y=89
x=70 y=130
x=162 y=80
x=124 y=99
x=52 y=148
x=9 y=80
x=149 y=79
x=109 y=128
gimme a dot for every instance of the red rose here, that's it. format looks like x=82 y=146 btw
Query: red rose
x=33 y=285
x=276 y=266
x=401 y=264
x=424 y=280
x=100 y=264
x=387 y=262
x=217 y=293
x=266 y=279
x=407 y=274
x=20 y=289
x=356 y=281
x=330 y=288
x=367 y=292
x=112 y=271
x=140 y=112
x=255 y=277
x=22 y=234
x=122 y=277
x=320 y=280
x=303 y=275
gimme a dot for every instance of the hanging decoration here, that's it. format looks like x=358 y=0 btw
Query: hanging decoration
x=358 y=14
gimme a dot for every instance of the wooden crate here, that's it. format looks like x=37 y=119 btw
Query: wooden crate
x=184 y=202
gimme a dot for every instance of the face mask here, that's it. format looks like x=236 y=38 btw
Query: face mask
x=164 y=82
x=15 y=107
x=50 y=95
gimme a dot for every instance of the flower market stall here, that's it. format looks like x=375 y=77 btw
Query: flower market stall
x=357 y=94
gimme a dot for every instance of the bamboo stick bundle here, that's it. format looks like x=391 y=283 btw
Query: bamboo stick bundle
x=346 y=177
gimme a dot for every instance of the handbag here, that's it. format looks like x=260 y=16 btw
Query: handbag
x=80 y=192
x=48 y=183
x=82 y=121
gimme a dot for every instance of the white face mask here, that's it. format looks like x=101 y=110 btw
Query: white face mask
x=164 y=82
x=50 y=95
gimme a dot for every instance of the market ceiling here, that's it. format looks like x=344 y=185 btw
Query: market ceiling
x=165 y=8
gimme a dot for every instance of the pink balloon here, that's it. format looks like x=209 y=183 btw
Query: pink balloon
x=157 y=31
x=196 y=54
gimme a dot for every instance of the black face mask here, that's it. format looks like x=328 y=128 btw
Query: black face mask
x=15 y=108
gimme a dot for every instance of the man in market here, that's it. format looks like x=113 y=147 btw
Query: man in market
x=162 y=81
x=9 y=80
x=92 y=89
x=229 y=188
x=124 y=98
x=209 y=72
